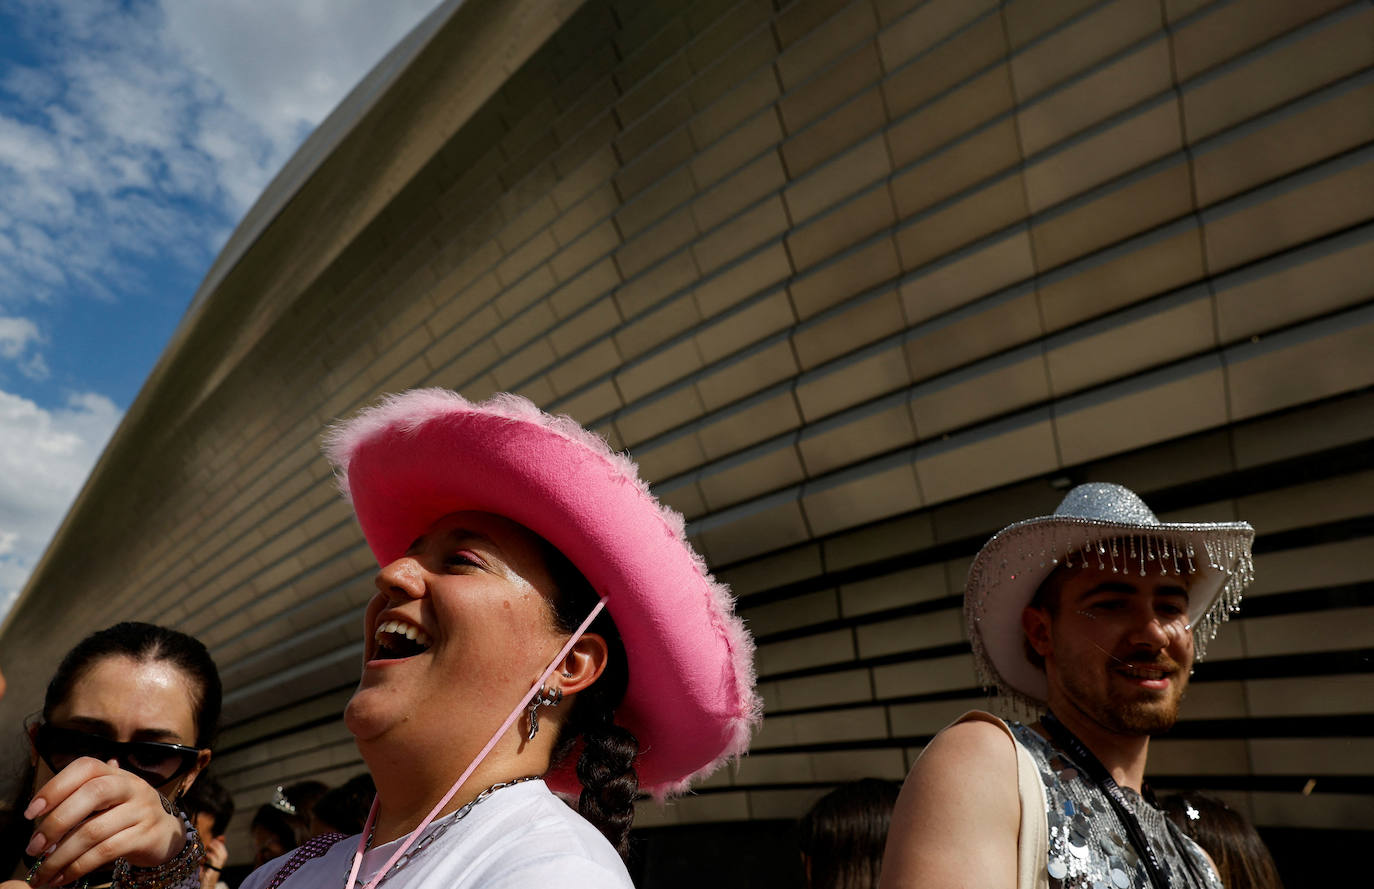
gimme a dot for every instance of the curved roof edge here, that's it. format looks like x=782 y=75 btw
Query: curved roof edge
x=499 y=35
x=318 y=146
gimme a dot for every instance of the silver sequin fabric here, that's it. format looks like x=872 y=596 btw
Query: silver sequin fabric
x=1098 y=501
x=1088 y=846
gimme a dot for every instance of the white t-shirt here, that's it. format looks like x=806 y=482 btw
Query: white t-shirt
x=521 y=837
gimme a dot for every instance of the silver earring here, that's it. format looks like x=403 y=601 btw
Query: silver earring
x=542 y=698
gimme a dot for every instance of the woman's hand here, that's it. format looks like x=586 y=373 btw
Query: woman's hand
x=90 y=814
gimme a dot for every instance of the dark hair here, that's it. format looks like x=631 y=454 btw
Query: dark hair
x=141 y=642
x=1242 y=859
x=145 y=642
x=345 y=808
x=208 y=797
x=304 y=795
x=1046 y=598
x=844 y=834
x=291 y=829
x=606 y=764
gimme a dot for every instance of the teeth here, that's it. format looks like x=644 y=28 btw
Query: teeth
x=401 y=628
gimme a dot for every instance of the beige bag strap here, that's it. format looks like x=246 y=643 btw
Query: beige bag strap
x=1033 y=839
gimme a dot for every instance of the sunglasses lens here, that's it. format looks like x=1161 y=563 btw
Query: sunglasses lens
x=153 y=763
x=61 y=747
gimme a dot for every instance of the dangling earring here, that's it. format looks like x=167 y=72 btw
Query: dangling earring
x=542 y=698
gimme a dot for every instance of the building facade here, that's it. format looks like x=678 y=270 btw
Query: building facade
x=857 y=282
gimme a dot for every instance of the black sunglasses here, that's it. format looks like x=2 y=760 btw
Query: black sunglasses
x=153 y=761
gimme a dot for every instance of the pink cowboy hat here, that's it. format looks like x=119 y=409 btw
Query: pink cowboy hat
x=420 y=455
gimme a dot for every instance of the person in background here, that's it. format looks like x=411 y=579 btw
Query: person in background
x=1092 y=619
x=302 y=796
x=344 y=809
x=843 y=835
x=284 y=823
x=1242 y=859
x=210 y=806
x=126 y=726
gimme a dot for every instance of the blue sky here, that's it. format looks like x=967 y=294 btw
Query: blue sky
x=134 y=134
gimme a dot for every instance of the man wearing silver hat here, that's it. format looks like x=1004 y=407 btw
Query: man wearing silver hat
x=1092 y=618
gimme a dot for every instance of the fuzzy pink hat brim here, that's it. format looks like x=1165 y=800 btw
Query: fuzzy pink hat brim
x=421 y=455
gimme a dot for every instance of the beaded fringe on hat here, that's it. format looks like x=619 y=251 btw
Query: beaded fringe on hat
x=1172 y=549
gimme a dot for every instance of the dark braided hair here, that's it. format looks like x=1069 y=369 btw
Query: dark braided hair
x=606 y=764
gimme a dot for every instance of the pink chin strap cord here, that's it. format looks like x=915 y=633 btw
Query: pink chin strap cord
x=472 y=766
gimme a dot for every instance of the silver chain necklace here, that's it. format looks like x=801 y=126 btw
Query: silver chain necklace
x=428 y=839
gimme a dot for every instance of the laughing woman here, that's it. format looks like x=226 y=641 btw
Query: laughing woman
x=540 y=626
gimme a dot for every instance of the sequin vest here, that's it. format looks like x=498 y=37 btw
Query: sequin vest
x=1089 y=847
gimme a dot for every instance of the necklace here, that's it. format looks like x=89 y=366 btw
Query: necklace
x=442 y=828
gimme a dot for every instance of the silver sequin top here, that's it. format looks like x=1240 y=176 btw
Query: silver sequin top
x=1089 y=847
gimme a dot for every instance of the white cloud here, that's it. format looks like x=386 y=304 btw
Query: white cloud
x=15 y=336
x=290 y=62
x=148 y=129
x=45 y=457
x=137 y=134
x=18 y=340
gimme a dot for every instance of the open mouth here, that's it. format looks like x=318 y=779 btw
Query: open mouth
x=397 y=639
x=1147 y=674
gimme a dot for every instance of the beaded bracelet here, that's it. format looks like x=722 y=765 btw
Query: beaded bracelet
x=183 y=870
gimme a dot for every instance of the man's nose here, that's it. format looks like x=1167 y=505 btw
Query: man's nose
x=1153 y=632
x=402 y=579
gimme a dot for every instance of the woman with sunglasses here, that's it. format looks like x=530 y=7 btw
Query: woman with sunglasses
x=540 y=625
x=126 y=726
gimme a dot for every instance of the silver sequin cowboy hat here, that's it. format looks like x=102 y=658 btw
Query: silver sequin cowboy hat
x=1101 y=526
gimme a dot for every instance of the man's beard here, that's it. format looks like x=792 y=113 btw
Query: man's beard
x=1123 y=715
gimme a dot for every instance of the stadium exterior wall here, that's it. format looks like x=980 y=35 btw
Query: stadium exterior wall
x=857 y=283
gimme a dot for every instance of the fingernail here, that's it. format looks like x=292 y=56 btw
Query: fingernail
x=36 y=844
x=36 y=808
x=58 y=880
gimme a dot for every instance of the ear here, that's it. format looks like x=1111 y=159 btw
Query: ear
x=1035 y=623
x=583 y=665
x=202 y=761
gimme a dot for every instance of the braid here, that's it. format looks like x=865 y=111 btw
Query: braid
x=606 y=764
x=609 y=783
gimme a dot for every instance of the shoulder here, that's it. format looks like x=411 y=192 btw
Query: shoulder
x=325 y=859
x=1190 y=846
x=533 y=838
x=970 y=763
x=975 y=747
x=564 y=871
x=959 y=813
x=263 y=875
